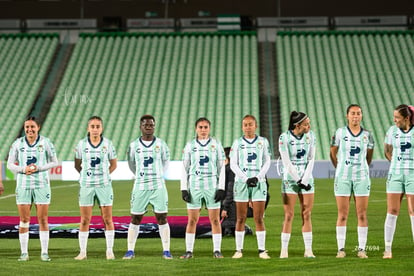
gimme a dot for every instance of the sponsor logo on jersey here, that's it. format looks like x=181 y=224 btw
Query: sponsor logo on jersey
x=405 y=146
x=204 y=160
x=31 y=160
x=95 y=161
x=354 y=150
x=300 y=153
x=251 y=156
x=148 y=160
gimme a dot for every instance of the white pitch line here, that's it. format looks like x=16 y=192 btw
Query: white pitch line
x=53 y=188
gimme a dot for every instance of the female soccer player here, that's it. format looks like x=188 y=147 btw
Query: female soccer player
x=297 y=151
x=398 y=148
x=30 y=158
x=203 y=181
x=95 y=160
x=351 y=154
x=250 y=161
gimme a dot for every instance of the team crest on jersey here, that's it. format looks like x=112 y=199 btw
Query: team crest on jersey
x=365 y=139
x=157 y=149
x=259 y=145
x=307 y=140
x=104 y=150
x=40 y=148
x=213 y=147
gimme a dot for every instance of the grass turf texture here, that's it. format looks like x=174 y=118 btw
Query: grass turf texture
x=148 y=251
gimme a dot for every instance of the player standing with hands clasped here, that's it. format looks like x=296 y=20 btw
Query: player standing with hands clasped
x=351 y=153
x=148 y=158
x=297 y=151
x=203 y=180
x=398 y=148
x=30 y=158
x=250 y=161
x=95 y=160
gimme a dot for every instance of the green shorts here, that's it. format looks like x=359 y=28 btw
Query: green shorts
x=347 y=187
x=243 y=193
x=36 y=196
x=291 y=187
x=400 y=184
x=203 y=197
x=140 y=199
x=104 y=196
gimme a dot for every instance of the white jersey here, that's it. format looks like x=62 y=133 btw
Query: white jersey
x=352 y=153
x=402 y=143
x=300 y=152
x=202 y=163
x=42 y=154
x=148 y=163
x=250 y=158
x=95 y=162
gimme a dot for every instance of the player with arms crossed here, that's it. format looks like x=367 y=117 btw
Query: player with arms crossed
x=398 y=148
x=250 y=161
x=351 y=153
x=203 y=181
x=297 y=151
x=148 y=158
x=30 y=158
x=95 y=160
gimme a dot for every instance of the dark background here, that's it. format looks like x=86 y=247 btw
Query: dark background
x=24 y=9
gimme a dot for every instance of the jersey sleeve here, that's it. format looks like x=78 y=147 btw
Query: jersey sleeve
x=111 y=151
x=13 y=159
x=388 y=137
x=234 y=162
x=335 y=139
x=371 y=142
x=78 y=150
x=282 y=143
x=131 y=158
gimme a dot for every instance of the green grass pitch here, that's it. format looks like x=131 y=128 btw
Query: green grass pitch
x=148 y=259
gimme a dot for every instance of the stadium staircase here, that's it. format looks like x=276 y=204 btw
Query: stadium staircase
x=269 y=99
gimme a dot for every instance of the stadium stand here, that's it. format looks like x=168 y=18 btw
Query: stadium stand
x=321 y=73
x=177 y=77
x=24 y=61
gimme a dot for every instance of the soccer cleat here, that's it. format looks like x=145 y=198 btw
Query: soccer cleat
x=129 y=255
x=167 y=255
x=341 y=253
x=238 y=254
x=110 y=255
x=284 y=253
x=187 y=255
x=308 y=254
x=362 y=254
x=23 y=257
x=80 y=257
x=45 y=257
x=387 y=255
x=218 y=255
x=263 y=254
